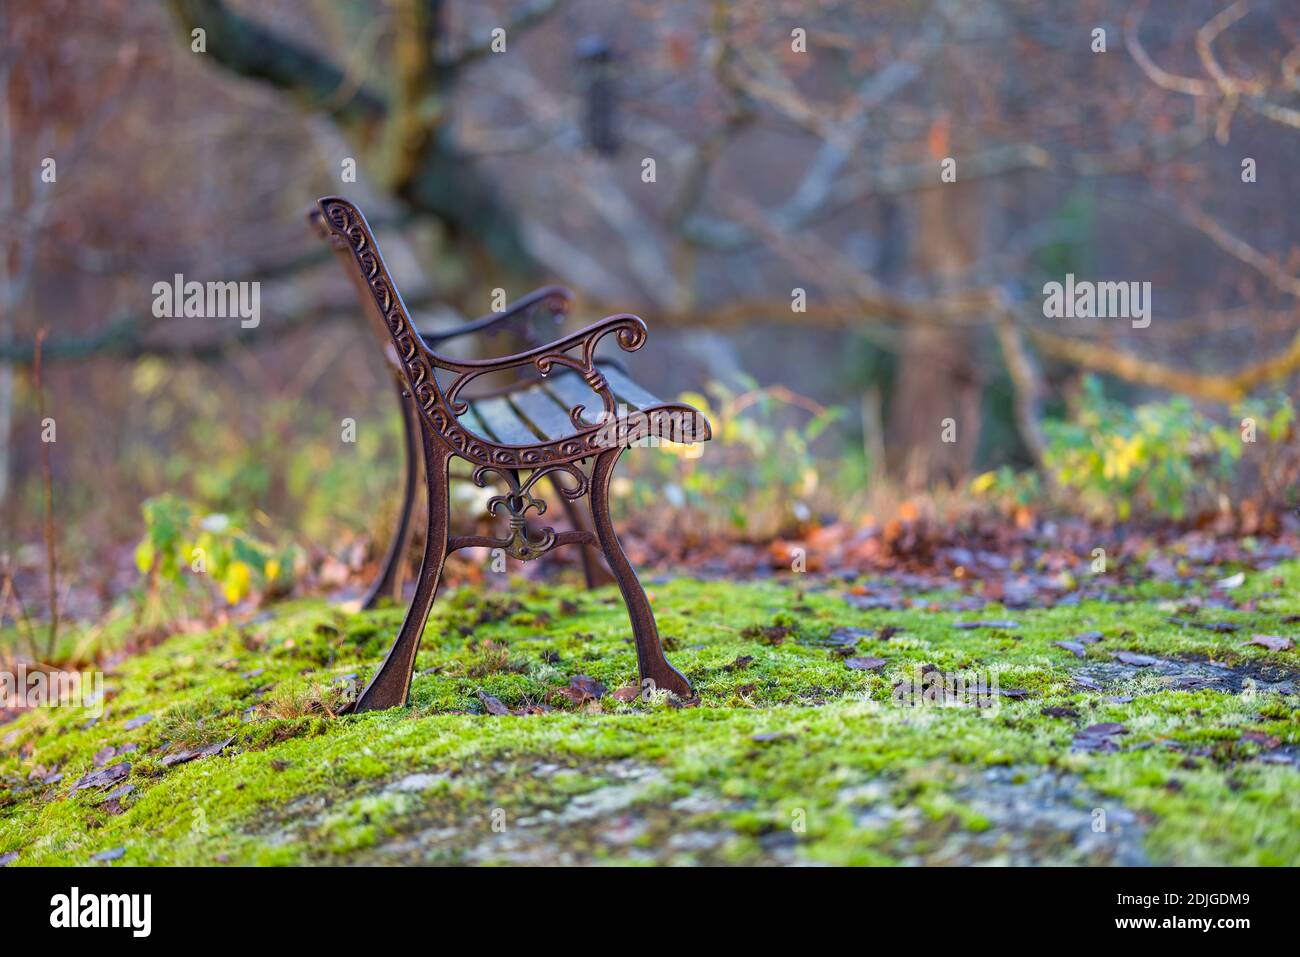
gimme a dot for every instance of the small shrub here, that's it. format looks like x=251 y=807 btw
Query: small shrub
x=180 y=546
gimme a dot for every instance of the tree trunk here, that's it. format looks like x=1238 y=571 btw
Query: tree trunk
x=935 y=419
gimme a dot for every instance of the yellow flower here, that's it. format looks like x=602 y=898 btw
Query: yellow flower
x=236 y=582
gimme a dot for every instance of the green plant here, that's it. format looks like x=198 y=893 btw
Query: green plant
x=758 y=473
x=180 y=546
x=1008 y=488
x=1163 y=458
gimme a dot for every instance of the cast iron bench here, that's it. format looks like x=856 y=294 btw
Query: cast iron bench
x=568 y=423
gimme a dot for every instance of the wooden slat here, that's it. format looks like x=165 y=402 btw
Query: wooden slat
x=543 y=413
x=627 y=391
x=570 y=390
x=471 y=421
x=506 y=427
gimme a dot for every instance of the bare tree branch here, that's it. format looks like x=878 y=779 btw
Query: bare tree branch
x=1270 y=268
x=526 y=15
x=1161 y=78
x=1226 y=388
x=1232 y=91
x=1205 y=37
x=249 y=49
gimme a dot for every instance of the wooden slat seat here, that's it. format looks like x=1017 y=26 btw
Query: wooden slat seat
x=500 y=419
x=539 y=412
x=547 y=417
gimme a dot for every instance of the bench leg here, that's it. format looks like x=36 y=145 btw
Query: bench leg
x=650 y=659
x=389 y=582
x=593 y=572
x=391 y=685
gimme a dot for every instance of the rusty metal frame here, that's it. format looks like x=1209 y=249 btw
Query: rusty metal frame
x=577 y=465
x=387 y=584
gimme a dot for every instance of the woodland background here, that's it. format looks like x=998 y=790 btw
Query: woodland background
x=776 y=170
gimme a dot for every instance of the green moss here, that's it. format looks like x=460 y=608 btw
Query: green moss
x=789 y=755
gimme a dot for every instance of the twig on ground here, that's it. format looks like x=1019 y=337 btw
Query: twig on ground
x=47 y=489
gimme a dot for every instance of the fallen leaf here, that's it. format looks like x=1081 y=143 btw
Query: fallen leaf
x=120 y=792
x=587 y=685
x=1074 y=646
x=865 y=664
x=847 y=637
x=1105 y=729
x=629 y=693
x=492 y=705
x=1099 y=737
x=112 y=804
x=207 y=751
x=104 y=777
x=1059 y=711
x=1005 y=625
x=1232 y=581
x=876 y=602
x=1272 y=642
x=1136 y=660
x=768 y=634
x=1267 y=741
x=532 y=708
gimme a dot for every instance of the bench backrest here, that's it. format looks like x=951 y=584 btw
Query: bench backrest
x=359 y=253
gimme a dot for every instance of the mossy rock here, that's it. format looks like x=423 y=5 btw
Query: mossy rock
x=813 y=739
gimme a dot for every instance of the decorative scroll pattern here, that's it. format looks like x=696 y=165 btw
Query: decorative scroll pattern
x=519 y=499
x=629 y=331
x=440 y=411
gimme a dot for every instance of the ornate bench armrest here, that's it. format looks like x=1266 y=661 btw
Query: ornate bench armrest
x=629 y=331
x=555 y=298
x=347 y=229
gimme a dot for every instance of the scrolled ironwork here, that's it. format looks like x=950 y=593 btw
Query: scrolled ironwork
x=435 y=413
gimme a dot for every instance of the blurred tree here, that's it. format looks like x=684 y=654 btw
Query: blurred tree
x=795 y=148
x=403 y=134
